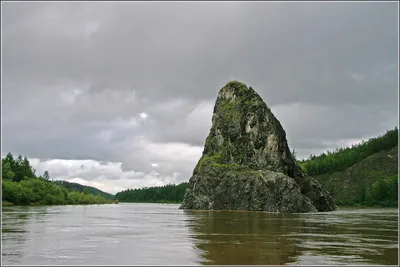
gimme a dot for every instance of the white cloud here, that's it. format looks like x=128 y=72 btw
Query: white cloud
x=174 y=163
x=143 y=115
x=108 y=177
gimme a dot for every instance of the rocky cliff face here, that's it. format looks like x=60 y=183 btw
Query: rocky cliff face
x=247 y=164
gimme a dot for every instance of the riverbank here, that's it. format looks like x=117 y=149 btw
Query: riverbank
x=6 y=203
x=10 y=204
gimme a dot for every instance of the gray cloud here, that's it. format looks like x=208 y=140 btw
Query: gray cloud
x=76 y=76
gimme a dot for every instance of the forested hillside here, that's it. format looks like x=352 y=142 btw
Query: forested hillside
x=84 y=189
x=364 y=174
x=21 y=186
x=342 y=158
x=372 y=181
x=159 y=194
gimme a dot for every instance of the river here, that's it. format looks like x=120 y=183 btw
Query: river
x=159 y=234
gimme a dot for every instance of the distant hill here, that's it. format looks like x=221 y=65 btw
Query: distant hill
x=81 y=188
x=170 y=193
x=342 y=158
x=365 y=174
x=350 y=186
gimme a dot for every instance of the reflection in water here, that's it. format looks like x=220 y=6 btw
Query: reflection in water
x=123 y=234
x=155 y=234
x=367 y=236
x=231 y=237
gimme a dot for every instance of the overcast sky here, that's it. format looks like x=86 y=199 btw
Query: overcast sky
x=120 y=95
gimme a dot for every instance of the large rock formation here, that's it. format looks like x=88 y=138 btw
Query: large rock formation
x=247 y=164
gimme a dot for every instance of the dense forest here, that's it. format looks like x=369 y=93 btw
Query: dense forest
x=84 y=189
x=342 y=158
x=21 y=186
x=159 y=194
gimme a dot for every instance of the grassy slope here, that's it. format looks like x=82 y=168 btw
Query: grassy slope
x=345 y=185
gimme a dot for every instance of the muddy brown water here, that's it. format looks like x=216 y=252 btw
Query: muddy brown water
x=159 y=234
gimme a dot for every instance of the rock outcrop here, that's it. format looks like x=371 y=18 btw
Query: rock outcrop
x=246 y=162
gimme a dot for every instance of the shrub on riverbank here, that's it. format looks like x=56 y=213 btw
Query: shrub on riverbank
x=20 y=186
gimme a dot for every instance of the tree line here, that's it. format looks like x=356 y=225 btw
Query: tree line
x=170 y=193
x=383 y=192
x=84 y=188
x=21 y=186
x=342 y=158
